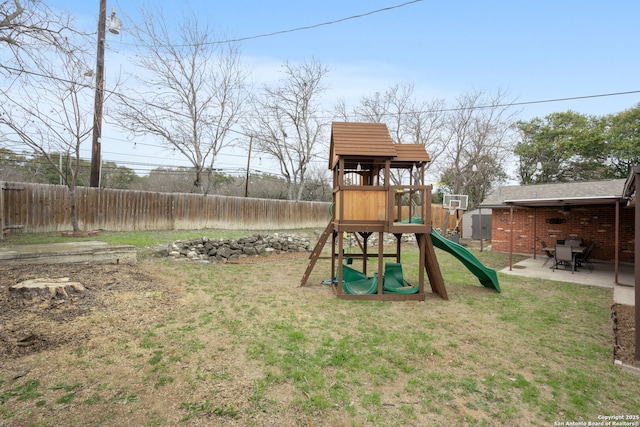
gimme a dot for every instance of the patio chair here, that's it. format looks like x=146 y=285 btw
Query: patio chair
x=547 y=251
x=563 y=256
x=583 y=258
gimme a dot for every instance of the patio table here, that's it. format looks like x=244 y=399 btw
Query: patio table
x=575 y=250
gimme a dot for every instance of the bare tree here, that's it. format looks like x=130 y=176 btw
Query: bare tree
x=480 y=140
x=28 y=30
x=189 y=92
x=409 y=121
x=50 y=116
x=318 y=184
x=287 y=126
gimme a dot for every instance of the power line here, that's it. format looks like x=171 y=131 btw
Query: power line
x=437 y=110
x=322 y=24
x=572 y=98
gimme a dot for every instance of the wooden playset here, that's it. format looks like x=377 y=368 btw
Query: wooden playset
x=363 y=158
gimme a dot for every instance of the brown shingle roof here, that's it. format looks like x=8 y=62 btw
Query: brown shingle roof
x=371 y=141
x=408 y=154
x=366 y=140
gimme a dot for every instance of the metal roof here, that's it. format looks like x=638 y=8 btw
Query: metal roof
x=557 y=194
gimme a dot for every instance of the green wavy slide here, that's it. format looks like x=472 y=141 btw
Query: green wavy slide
x=487 y=276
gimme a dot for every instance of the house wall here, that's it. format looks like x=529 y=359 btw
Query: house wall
x=590 y=223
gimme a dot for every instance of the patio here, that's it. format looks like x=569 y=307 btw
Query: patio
x=602 y=275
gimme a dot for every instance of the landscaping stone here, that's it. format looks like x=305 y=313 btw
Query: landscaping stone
x=223 y=250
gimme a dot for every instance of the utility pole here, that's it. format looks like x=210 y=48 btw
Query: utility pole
x=94 y=180
x=246 y=182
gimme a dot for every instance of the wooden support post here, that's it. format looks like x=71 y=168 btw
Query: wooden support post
x=365 y=251
x=421 y=238
x=340 y=261
x=334 y=274
x=380 y=261
x=433 y=270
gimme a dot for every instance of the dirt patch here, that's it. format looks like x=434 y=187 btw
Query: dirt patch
x=33 y=325
x=623 y=317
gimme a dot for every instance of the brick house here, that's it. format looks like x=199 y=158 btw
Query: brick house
x=524 y=216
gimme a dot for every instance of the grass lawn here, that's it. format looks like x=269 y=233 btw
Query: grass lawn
x=167 y=343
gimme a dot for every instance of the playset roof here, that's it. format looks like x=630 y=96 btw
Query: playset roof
x=369 y=143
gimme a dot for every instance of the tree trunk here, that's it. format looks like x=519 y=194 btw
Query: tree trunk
x=73 y=212
x=300 y=190
x=51 y=290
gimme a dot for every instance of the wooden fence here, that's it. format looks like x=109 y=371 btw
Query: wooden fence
x=37 y=208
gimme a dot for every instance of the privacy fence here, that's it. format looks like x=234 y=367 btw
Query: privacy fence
x=37 y=208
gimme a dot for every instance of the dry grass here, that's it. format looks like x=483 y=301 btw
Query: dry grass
x=167 y=343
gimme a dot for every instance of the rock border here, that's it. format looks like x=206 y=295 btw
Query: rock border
x=205 y=249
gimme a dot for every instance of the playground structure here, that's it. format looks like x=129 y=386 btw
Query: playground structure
x=362 y=158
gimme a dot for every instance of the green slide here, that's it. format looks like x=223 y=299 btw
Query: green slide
x=394 y=282
x=355 y=282
x=486 y=275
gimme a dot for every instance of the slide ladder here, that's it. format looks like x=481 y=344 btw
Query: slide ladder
x=315 y=254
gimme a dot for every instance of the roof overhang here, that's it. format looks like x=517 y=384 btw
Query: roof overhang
x=565 y=201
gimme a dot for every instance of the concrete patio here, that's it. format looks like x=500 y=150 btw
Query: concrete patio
x=602 y=275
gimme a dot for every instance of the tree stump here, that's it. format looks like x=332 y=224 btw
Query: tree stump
x=51 y=290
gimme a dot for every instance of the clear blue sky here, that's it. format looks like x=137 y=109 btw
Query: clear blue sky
x=535 y=50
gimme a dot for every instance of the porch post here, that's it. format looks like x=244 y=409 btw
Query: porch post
x=636 y=258
x=480 y=221
x=616 y=245
x=511 y=239
x=535 y=232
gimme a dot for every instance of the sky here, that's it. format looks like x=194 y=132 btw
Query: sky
x=535 y=51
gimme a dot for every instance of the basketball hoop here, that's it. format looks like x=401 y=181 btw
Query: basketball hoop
x=452 y=208
x=453 y=203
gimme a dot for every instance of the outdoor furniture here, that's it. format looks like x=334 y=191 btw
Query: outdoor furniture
x=573 y=242
x=563 y=256
x=547 y=251
x=583 y=258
